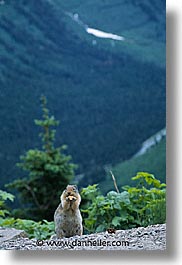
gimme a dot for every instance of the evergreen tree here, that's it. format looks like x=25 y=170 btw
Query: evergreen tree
x=49 y=171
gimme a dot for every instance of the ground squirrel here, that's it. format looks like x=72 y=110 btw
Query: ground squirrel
x=67 y=217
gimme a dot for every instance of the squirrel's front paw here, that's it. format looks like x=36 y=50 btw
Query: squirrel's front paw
x=71 y=198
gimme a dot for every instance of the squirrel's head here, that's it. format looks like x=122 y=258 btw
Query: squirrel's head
x=71 y=189
x=70 y=197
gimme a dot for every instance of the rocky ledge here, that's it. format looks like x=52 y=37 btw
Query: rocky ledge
x=142 y=238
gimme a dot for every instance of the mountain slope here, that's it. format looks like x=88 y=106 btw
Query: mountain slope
x=141 y=22
x=108 y=101
x=153 y=161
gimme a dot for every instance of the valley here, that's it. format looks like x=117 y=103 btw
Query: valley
x=109 y=95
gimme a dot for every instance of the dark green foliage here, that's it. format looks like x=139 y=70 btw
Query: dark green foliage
x=48 y=171
x=142 y=205
x=4 y=197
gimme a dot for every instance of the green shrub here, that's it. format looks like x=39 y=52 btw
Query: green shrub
x=136 y=206
x=4 y=196
x=38 y=230
x=140 y=205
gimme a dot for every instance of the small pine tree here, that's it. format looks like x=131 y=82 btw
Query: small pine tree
x=49 y=171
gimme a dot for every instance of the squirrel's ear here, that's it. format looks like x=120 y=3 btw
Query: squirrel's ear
x=75 y=187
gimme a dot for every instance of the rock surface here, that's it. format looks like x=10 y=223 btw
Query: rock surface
x=7 y=234
x=143 y=238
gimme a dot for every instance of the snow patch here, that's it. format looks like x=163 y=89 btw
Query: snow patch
x=105 y=35
x=151 y=142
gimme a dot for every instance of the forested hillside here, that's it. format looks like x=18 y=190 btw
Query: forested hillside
x=108 y=97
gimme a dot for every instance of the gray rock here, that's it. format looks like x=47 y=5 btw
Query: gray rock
x=7 y=234
x=142 y=238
